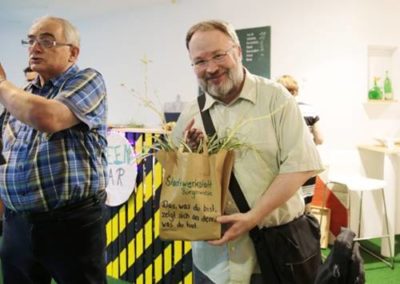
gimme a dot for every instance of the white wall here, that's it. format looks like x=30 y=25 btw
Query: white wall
x=322 y=43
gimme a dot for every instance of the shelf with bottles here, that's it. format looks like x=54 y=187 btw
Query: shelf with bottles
x=383 y=74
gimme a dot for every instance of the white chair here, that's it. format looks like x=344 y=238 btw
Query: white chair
x=360 y=184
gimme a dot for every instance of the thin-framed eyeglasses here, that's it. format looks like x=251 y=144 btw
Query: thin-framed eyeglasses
x=43 y=42
x=216 y=58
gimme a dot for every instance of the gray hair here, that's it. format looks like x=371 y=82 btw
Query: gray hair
x=71 y=34
x=222 y=26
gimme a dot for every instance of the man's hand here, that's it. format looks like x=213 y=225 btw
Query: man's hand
x=280 y=190
x=2 y=73
x=193 y=136
x=239 y=224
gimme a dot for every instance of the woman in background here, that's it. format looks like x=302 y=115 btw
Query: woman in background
x=312 y=120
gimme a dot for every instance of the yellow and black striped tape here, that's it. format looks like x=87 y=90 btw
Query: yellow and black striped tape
x=135 y=252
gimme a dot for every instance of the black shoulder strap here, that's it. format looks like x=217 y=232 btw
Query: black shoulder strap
x=205 y=116
x=234 y=187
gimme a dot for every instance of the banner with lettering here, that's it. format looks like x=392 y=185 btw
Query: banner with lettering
x=122 y=169
x=193 y=194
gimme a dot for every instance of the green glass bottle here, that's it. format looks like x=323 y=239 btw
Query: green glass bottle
x=375 y=93
x=387 y=88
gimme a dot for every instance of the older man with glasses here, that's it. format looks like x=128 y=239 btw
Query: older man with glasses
x=266 y=118
x=53 y=182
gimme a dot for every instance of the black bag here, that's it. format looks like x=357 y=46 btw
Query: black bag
x=344 y=264
x=289 y=253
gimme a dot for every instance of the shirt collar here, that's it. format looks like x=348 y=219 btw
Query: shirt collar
x=55 y=81
x=248 y=92
x=60 y=79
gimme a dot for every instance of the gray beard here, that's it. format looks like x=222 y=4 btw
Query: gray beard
x=221 y=92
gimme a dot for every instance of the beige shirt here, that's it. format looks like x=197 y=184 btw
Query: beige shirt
x=267 y=119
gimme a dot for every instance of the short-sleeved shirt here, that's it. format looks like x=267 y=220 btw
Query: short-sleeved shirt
x=45 y=171
x=266 y=118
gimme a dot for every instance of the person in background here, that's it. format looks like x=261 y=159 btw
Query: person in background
x=270 y=175
x=54 y=179
x=30 y=75
x=312 y=120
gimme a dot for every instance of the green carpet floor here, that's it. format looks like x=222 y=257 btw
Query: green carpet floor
x=376 y=272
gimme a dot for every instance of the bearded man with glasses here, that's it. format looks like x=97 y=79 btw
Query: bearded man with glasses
x=54 y=177
x=270 y=171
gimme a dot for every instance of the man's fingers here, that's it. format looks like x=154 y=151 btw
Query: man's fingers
x=193 y=135
x=2 y=73
x=189 y=125
x=219 y=242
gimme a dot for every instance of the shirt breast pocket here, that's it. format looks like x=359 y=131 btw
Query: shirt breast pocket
x=9 y=136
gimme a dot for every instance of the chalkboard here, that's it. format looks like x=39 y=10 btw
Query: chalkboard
x=256 y=48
